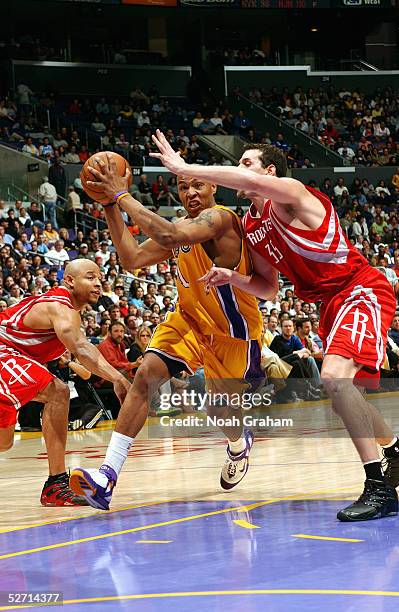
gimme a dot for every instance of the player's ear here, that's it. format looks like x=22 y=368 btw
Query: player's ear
x=214 y=188
x=271 y=169
x=68 y=281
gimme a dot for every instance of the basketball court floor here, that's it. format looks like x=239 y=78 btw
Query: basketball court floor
x=175 y=541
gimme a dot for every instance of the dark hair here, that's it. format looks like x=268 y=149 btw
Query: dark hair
x=299 y=322
x=269 y=154
x=116 y=324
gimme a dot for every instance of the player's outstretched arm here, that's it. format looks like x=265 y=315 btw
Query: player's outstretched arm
x=131 y=254
x=66 y=324
x=286 y=190
x=209 y=224
x=262 y=284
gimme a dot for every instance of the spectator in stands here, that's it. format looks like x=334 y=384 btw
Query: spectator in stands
x=56 y=176
x=242 y=123
x=46 y=149
x=49 y=233
x=136 y=352
x=145 y=191
x=30 y=148
x=72 y=156
x=340 y=189
x=48 y=195
x=73 y=205
x=160 y=192
x=394 y=331
x=57 y=255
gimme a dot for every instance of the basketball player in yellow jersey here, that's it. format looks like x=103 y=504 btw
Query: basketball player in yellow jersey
x=219 y=330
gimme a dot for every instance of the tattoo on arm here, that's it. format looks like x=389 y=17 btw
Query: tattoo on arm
x=204 y=218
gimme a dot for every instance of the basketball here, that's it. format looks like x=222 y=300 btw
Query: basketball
x=94 y=192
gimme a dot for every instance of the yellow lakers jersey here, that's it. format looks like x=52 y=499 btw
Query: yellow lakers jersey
x=225 y=310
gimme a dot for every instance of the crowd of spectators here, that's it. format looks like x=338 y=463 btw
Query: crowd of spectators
x=361 y=128
x=124 y=125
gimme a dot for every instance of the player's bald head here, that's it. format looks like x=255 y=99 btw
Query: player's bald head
x=80 y=267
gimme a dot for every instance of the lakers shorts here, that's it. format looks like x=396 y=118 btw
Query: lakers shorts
x=223 y=358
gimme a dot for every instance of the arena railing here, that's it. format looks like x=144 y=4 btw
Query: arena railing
x=312 y=148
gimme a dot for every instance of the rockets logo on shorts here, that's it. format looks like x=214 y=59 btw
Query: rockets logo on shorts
x=358 y=328
x=17 y=373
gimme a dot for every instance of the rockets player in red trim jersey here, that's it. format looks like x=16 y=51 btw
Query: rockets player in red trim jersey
x=33 y=332
x=294 y=229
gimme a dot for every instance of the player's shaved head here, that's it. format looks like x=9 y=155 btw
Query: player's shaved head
x=78 y=267
x=82 y=278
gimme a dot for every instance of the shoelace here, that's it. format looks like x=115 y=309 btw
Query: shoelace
x=62 y=490
x=232 y=469
x=375 y=497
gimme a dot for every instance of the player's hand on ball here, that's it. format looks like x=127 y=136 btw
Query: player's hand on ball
x=108 y=178
x=170 y=158
x=216 y=277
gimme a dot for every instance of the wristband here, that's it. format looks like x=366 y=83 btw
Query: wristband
x=116 y=196
x=123 y=195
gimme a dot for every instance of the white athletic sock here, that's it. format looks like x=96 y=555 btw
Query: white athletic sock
x=117 y=451
x=392 y=442
x=238 y=446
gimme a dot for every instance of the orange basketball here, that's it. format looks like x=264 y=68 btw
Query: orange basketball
x=96 y=193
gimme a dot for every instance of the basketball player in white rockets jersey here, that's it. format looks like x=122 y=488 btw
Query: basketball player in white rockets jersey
x=295 y=230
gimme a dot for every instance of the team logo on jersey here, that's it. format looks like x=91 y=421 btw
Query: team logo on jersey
x=17 y=372
x=183 y=249
x=358 y=328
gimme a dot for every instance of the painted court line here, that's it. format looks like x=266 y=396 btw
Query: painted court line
x=245 y=524
x=246 y=508
x=328 y=538
x=134 y=529
x=213 y=593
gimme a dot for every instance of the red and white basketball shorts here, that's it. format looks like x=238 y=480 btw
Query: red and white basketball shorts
x=21 y=380
x=355 y=323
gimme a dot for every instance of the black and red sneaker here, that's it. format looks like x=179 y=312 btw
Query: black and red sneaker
x=57 y=492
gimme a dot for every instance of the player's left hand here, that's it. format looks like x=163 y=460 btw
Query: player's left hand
x=216 y=277
x=170 y=158
x=108 y=178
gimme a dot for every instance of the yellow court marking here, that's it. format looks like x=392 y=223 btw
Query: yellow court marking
x=245 y=524
x=134 y=529
x=153 y=541
x=95 y=513
x=213 y=593
x=246 y=508
x=312 y=537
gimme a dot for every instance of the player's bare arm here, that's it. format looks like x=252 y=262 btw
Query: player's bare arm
x=131 y=254
x=209 y=224
x=263 y=283
x=287 y=193
x=66 y=324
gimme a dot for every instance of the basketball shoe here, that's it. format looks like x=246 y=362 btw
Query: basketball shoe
x=96 y=486
x=236 y=466
x=57 y=492
x=391 y=469
x=376 y=501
